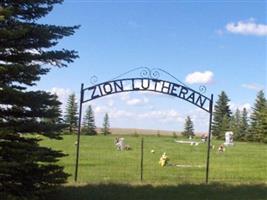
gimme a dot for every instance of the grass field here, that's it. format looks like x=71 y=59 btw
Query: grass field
x=240 y=173
x=100 y=162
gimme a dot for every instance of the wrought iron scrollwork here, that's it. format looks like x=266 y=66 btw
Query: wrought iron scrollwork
x=145 y=72
x=158 y=70
x=154 y=73
x=93 y=79
x=202 y=88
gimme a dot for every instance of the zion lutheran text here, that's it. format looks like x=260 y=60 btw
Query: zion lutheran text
x=146 y=84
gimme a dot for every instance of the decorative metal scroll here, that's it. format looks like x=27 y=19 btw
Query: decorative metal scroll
x=147 y=84
x=145 y=72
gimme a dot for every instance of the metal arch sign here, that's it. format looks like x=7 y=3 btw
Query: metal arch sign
x=146 y=84
x=148 y=81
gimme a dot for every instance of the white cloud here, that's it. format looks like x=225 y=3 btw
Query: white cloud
x=110 y=103
x=199 y=77
x=137 y=101
x=124 y=96
x=112 y=111
x=100 y=109
x=134 y=102
x=234 y=106
x=62 y=93
x=247 y=28
x=162 y=115
x=146 y=100
x=121 y=114
x=199 y=118
x=253 y=86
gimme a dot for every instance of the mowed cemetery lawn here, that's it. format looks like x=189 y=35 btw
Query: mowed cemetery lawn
x=240 y=173
x=100 y=162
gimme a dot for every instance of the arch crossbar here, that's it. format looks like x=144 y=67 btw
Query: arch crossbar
x=149 y=83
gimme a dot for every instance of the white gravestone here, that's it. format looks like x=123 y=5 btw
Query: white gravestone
x=229 y=141
x=120 y=144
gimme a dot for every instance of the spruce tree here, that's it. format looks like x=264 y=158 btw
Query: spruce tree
x=257 y=130
x=27 y=51
x=264 y=124
x=244 y=124
x=89 y=127
x=221 y=116
x=71 y=116
x=58 y=118
x=235 y=124
x=225 y=126
x=106 y=126
x=188 y=127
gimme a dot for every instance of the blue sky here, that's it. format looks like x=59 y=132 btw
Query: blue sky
x=221 y=45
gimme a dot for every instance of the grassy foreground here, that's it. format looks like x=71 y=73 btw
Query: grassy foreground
x=240 y=173
x=100 y=162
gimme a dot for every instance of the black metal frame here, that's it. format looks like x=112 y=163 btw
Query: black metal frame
x=116 y=85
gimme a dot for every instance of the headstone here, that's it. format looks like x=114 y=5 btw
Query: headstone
x=120 y=144
x=229 y=138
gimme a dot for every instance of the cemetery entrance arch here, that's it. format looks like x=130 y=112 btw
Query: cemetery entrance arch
x=148 y=80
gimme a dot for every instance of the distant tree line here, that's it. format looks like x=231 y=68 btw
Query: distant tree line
x=244 y=127
x=88 y=122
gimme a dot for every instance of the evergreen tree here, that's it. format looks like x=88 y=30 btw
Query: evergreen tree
x=225 y=126
x=244 y=124
x=27 y=51
x=106 y=126
x=71 y=117
x=264 y=124
x=257 y=130
x=188 y=127
x=221 y=116
x=89 y=127
x=235 y=124
x=58 y=118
